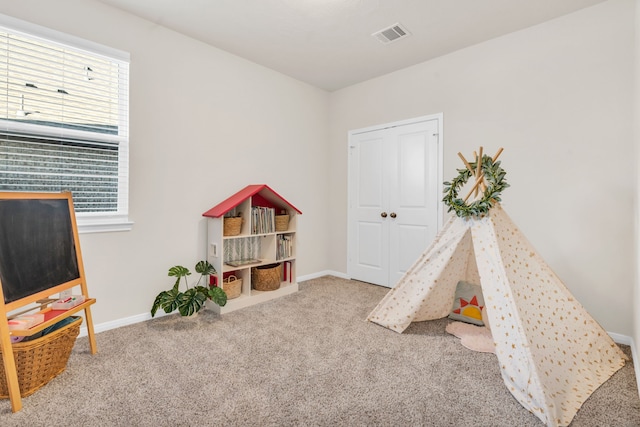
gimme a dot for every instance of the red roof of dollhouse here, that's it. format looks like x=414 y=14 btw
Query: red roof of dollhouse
x=242 y=195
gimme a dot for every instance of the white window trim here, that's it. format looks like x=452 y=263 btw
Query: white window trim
x=87 y=222
x=48 y=35
x=100 y=223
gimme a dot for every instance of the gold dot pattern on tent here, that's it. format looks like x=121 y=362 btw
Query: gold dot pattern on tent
x=552 y=353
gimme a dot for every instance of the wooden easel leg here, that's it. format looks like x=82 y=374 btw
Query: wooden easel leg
x=92 y=337
x=10 y=371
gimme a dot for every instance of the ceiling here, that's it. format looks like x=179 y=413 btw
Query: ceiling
x=329 y=43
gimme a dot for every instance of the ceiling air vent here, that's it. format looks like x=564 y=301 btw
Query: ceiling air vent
x=391 y=34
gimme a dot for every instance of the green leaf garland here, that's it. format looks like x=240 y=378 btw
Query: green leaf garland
x=493 y=174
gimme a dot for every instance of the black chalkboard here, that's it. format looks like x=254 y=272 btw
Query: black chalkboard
x=37 y=246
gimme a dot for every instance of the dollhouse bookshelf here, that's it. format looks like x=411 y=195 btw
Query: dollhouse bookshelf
x=258 y=243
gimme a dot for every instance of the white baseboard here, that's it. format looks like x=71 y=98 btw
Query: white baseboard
x=323 y=273
x=626 y=340
x=114 y=324
x=101 y=327
x=620 y=339
x=636 y=362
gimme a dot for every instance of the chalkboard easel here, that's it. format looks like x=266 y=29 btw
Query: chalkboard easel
x=39 y=257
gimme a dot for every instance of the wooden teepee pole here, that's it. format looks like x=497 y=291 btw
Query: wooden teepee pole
x=480 y=177
x=479 y=174
x=471 y=169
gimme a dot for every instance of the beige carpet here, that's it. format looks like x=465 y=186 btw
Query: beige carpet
x=309 y=359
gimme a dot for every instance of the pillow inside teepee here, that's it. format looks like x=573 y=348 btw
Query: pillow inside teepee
x=468 y=304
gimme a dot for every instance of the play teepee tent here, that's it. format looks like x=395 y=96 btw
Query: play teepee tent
x=552 y=354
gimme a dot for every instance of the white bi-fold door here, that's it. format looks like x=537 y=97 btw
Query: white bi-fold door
x=394 y=197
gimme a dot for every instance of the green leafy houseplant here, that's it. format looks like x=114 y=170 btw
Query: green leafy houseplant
x=192 y=300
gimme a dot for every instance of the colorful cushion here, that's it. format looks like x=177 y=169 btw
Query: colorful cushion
x=468 y=304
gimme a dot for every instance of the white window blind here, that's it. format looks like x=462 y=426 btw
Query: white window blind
x=64 y=120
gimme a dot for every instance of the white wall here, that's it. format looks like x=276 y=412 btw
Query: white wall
x=204 y=124
x=636 y=115
x=558 y=97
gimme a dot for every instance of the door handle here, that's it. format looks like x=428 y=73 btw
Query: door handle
x=393 y=215
x=383 y=214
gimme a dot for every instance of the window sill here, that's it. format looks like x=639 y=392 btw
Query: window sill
x=103 y=224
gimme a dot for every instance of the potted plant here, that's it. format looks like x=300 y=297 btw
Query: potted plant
x=193 y=298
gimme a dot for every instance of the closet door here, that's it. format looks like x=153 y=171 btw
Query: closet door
x=393 y=198
x=369 y=226
x=413 y=195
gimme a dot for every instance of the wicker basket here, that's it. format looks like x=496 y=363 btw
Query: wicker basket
x=266 y=277
x=232 y=286
x=40 y=360
x=282 y=222
x=232 y=226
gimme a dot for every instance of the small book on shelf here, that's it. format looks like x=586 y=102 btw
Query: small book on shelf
x=286 y=271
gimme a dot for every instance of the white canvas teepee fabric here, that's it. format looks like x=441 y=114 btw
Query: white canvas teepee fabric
x=552 y=353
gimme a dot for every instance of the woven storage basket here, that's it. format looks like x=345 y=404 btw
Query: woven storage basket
x=232 y=286
x=266 y=277
x=40 y=360
x=282 y=222
x=232 y=226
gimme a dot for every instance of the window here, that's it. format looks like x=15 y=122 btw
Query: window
x=64 y=121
